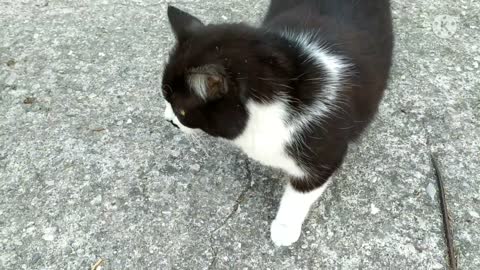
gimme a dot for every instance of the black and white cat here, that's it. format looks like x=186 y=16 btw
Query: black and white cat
x=292 y=93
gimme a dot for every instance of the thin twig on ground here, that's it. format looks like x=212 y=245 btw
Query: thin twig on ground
x=445 y=214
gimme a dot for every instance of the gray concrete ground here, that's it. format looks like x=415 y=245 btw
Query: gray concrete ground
x=89 y=170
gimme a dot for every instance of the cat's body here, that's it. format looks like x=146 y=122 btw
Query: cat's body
x=291 y=94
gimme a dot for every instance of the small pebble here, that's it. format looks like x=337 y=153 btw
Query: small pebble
x=175 y=153
x=195 y=167
x=11 y=63
x=29 y=100
x=11 y=79
x=35 y=258
x=30 y=230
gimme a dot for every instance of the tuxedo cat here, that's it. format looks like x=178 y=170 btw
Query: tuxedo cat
x=292 y=93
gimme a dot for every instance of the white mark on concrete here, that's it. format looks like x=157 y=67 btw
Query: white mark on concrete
x=474 y=214
x=175 y=153
x=49 y=233
x=437 y=265
x=11 y=79
x=431 y=191
x=31 y=230
x=97 y=200
x=195 y=167
x=373 y=209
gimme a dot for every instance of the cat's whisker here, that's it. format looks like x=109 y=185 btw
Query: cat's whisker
x=199 y=143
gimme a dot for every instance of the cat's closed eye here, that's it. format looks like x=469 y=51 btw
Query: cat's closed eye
x=167 y=91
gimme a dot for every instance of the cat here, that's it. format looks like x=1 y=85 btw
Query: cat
x=291 y=93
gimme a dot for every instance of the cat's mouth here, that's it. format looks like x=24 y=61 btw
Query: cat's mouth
x=170 y=117
x=173 y=124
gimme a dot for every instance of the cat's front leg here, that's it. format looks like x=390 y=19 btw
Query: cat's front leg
x=294 y=207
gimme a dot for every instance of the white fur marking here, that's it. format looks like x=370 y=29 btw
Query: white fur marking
x=294 y=207
x=266 y=135
x=198 y=79
x=337 y=70
x=269 y=129
x=170 y=116
x=198 y=83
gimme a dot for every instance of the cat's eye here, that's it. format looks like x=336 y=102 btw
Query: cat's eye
x=182 y=112
x=167 y=91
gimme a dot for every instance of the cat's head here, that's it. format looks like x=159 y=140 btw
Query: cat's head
x=209 y=75
x=198 y=85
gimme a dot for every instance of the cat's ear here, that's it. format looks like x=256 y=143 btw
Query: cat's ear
x=208 y=82
x=183 y=24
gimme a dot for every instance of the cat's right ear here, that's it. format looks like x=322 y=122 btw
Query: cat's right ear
x=183 y=24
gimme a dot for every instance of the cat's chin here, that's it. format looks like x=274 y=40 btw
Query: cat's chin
x=189 y=131
x=169 y=115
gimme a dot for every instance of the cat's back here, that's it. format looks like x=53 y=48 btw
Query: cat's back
x=362 y=27
x=357 y=30
x=311 y=13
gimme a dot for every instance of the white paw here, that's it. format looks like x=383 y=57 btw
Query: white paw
x=283 y=233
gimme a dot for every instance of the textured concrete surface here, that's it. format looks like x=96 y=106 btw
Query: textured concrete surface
x=89 y=170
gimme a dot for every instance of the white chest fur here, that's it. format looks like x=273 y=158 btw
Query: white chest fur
x=266 y=135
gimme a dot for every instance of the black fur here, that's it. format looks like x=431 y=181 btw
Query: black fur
x=260 y=64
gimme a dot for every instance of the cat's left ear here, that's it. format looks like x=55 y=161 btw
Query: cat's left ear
x=183 y=24
x=208 y=82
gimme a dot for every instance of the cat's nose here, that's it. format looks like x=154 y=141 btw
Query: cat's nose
x=173 y=124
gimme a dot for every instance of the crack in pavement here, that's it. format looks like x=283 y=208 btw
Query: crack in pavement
x=215 y=252
x=239 y=199
x=234 y=210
